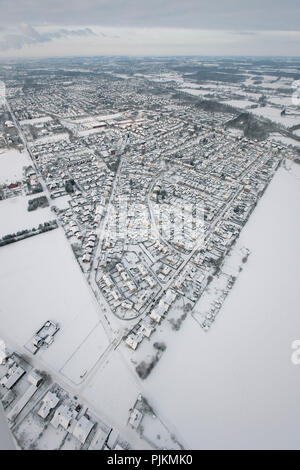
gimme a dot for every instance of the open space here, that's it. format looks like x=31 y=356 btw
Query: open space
x=235 y=386
x=11 y=165
x=15 y=217
x=49 y=286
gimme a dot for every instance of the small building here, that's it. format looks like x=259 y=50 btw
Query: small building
x=142 y=270
x=119 y=447
x=150 y=281
x=162 y=307
x=127 y=304
x=119 y=267
x=82 y=429
x=170 y=296
x=86 y=258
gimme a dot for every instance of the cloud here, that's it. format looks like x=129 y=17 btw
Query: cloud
x=29 y=36
x=241 y=15
x=245 y=33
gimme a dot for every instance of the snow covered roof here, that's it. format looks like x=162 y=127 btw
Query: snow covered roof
x=34 y=378
x=4 y=354
x=131 y=342
x=146 y=330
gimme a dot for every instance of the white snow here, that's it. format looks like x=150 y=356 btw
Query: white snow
x=51 y=138
x=274 y=115
x=243 y=104
x=235 y=386
x=190 y=85
x=62 y=202
x=86 y=355
x=284 y=140
x=39 y=281
x=33 y=121
x=112 y=391
x=195 y=92
x=281 y=100
x=11 y=165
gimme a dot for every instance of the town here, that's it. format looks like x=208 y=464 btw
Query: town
x=139 y=189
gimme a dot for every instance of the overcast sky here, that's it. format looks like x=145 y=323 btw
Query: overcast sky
x=149 y=27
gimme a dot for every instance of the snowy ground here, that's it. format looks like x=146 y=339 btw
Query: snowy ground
x=274 y=115
x=195 y=92
x=14 y=215
x=40 y=120
x=235 y=386
x=11 y=165
x=51 y=138
x=243 y=104
x=43 y=272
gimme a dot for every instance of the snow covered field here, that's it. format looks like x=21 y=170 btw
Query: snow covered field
x=235 y=386
x=11 y=165
x=14 y=215
x=274 y=115
x=39 y=281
